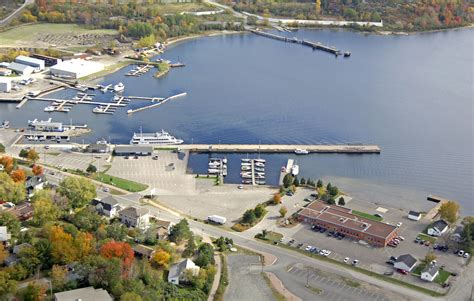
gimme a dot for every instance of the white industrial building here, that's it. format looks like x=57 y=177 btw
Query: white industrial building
x=5 y=84
x=37 y=64
x=76 y=68
x=21 y=68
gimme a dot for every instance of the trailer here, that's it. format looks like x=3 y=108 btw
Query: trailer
x=217 y=219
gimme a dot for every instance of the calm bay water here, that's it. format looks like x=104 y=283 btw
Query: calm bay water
x=412 y=95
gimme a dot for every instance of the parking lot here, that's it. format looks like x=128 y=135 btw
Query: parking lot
x=374 y=259
x=72 y=160
x=157 y=173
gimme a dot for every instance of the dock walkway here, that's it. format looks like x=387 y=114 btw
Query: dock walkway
x=283 y=148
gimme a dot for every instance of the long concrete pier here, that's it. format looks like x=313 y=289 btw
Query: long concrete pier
x=156 y=104
x=282 y=148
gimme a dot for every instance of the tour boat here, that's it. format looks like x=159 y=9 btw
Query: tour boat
x=158 y=138
x=300 y=151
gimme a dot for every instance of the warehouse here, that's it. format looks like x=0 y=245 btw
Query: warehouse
x=38 y=65
x=75 y=69
x=5 y=84
x=21 y=69
x=48 y=60
x=340 y=219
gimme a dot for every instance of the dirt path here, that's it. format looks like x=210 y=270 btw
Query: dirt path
x=278 y=285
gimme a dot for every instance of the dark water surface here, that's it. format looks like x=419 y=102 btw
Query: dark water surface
x=412 y=95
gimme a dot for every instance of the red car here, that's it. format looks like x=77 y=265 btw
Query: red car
x=404 y=272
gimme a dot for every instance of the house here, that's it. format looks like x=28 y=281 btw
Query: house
x=135 y=217
x=4 y=235
x=84 y=294
x=438 y=228
x=163 y=229
x=177 y=271
x=143 y=251
x=405 y=262
x=413 y=215
x=23 y=211
x=33 y=183
x=430 y=272
x=108 y=206
x=457 y=235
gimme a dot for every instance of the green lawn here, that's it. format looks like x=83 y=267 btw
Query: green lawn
x=417 y=270
x=442 y=277
x=30 y=32
x=425 y=237
x=367 y=216
x=120 y=183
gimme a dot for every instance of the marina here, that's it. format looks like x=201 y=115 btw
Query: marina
x=253 y=171
x=139 y=70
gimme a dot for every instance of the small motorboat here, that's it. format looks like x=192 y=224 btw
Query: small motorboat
x=119 y=87
x=99 y=109
x=301 y=151
x=244 y=168
x=259 y=164
x=295 y=170
x=49 y=109
x=246 y=160
x=260 y=160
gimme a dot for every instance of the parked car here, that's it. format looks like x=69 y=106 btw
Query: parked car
x=388 y=273
x=346 y=260
x=378 y=215
x=399 y=224
x=155 y=157
x=300 y=245
x=393 y=258
x=308 y=248
x=466 y=255
x=292 y=241
x=403 y=272
x=355 y=262
x=401 y=238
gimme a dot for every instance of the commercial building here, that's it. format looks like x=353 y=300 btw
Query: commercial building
x=76 y=68
x=46 y=125
x=21 y=69
x=84 y=294
x=132 y=150
x=5 y=85
x=340 y=219
x=98 y=148
x=48 y=60
x=37 y=64
x=5 y=71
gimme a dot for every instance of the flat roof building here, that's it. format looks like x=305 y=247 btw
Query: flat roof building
x=342 y=220
x=21 y=69
x=84 y=294
x=76 y=68
x=130 y=150
x=48 y=60
x=5 y=84
x=37 y=64
x=46 y=125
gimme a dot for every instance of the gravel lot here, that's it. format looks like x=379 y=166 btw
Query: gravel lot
x=246 y=282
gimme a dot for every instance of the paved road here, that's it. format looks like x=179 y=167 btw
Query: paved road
x=10 y=17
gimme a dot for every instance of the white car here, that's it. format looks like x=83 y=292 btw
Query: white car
x=308 y=248
x=460 y=253
x=322 y=252
x=327 y=253
x=346 y=260
x=399 y=224
x=401 y=238
x=466 y=255
x=355 y=262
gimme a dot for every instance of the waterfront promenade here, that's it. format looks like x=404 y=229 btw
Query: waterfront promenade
x=283 y=148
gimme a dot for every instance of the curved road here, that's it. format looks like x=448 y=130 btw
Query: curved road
x=10 y=17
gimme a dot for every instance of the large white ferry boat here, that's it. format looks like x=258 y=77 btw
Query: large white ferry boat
x=158 y=138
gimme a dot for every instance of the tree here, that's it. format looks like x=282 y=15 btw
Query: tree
x=288 y=180
x=130 y=296
x=87 y=219
x=33 y=292
x=11 y=222
x=37 y=170
x=328 y=187
x=303 y=181
x=449 y=211
x=100 y=271
x=205 y=255
x=276 y=198
x=283 y=211
x=91 y=169
x=28 y=257
x=430 y=256
x=44 y=194
x=190 y=249
x=18 y=176
x=331 y=201
x=32 y=155
x=3 y=254
x=161 y=258
x=23 y=153
x=296 y=181
x=259 y=211
x=120 y=250
x=116 y=231
x=79 y=191
x=2 y=148
x=7 y=285
x=62 y=247
x=318 y=7
x=333 y=191
x=59 y=277
x=84 y=244
x=342 y=202
x=180 y=231
x=44 y=210
x=249 y=217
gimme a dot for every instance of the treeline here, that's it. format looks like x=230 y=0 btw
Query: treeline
x=397 y=14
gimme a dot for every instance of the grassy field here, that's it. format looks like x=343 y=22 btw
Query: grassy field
x=425 y=237
x=120 y=183
x=30 y=32
x=174 y=8
x=367 y=216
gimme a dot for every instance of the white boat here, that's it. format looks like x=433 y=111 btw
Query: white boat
x=260 y=169
x=116 y=98
x=246 y=164
x=259 y=164
x=260 y=160
x=49 y=109
x=101 y=141
x=246 y=160
x=119 y=87
x=213 y=171
x=300 y=151
x=99 y=109
x=260 y=182
x=214 y=164
x=245 y=168
x=158 y=138
x=224 y=160
x=295 y=169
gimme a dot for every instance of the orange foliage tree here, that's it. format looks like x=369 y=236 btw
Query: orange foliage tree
x=62 y=247
x=121 y=250
x=7 y=163
x=37 y=170
x=18 y=176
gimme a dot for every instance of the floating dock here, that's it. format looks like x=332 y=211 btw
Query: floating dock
x=282 y=148
x=314 y=45
x=160 y=102
x=287 y=169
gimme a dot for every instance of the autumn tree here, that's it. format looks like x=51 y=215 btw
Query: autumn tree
x=8 y=163
x=79 y=191
x=18 y=176
x=283 y=211
x=33 y=292
x=161 y=258
x=430 y=256
x=130 y=296
x=7 y=284
x=37 y=170
x=277 y=198
x=44 y=210
x=120 y=250
x=62 y=248
x=32 y=155
x=3 y=254
x=449 y=211
x=318 y=7
x=59 y=277
x=84 y=244
x=11 y=191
